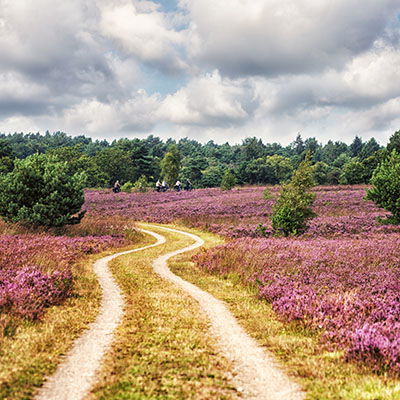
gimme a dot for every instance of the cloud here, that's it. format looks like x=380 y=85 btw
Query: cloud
x=144 y=31
x=206 y=69
x=275 y=37
x=209 y=100
x=108 y=120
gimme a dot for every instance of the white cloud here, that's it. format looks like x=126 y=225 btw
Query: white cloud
x=208 y=100
x=143 y=31
x=110 y=119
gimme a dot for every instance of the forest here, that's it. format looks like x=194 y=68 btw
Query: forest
x=148 y=159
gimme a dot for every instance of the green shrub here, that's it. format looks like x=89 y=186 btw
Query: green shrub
x=141 y=185
x=40 y=191
x=386 y=185
x=228 y=180
x=292 y=210
x=293 y=207
x=267 y=195
x=127 y=187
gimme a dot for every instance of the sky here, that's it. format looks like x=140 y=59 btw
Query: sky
x=219 y=70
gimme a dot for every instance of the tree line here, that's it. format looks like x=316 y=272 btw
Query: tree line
x=146 y=160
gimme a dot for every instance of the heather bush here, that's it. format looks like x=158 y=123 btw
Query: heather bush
x=346 y=289
x=41 y=191
x=36 y=270
x=386 y=185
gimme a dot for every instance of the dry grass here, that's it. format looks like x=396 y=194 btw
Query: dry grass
x=34 y=350
x=162 y=349
x=322 y=373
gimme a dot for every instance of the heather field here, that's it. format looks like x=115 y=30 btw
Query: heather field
x=37 y=269
x=342 y=278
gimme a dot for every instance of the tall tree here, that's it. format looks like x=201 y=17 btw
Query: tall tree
x=369 y=149
x=355 y=147
x=394 y=142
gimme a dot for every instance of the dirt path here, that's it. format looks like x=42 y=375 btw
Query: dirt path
x=257 y=375
x=76 y=374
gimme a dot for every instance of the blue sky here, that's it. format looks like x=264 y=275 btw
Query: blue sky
x=211 y=69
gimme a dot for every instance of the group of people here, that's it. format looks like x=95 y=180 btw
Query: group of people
x=163 y=186
x=160 y=186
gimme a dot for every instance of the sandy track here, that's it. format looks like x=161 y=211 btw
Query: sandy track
x=257 y=374
x=76 y=373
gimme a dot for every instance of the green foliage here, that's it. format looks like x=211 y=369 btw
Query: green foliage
x=80 y=162
x=386 y=185
x=268 y=170
x=228 y=181
x=127 y=187
x=171 y=164
x=6 y=165
x=321 y=171
x=369 y=149
x=303 y=177
x=355 y=147
x=267 y=195
x=353 y=172
x=394 y=142
x=115 y=164
x=141 y=185
x=293 y=207
x=212 y=176
x=40 y=191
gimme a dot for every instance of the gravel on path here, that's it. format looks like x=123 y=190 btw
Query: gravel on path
x=77 y=372
x=257 y=374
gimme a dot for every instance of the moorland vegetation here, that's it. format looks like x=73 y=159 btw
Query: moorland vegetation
x=336 y=271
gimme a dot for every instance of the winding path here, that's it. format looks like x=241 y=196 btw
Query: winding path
x=76 y=374
x=256 y=374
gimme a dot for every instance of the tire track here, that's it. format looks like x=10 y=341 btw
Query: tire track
x=77 y=372
x=257 y=374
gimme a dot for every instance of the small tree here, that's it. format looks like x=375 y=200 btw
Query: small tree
x=386 y=185
x=293 y=207
x=141 y=185
x=171 y=164
x=41 y=191
x=228 y=181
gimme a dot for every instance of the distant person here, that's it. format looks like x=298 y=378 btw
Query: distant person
x=164 y=186
x=158 y=186
x=178 y=186
x=188 y=185
x=117 y=187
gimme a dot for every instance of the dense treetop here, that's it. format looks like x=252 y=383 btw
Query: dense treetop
x=251 y=162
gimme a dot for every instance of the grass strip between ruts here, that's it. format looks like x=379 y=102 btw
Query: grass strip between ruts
x=33 y=351
x=323 y=374
x=162 y=349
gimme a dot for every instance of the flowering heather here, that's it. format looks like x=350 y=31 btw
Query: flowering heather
x=36 y=270
x=349 y=289
x=237 y=213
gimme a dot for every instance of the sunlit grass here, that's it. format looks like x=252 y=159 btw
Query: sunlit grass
x=162 y=349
